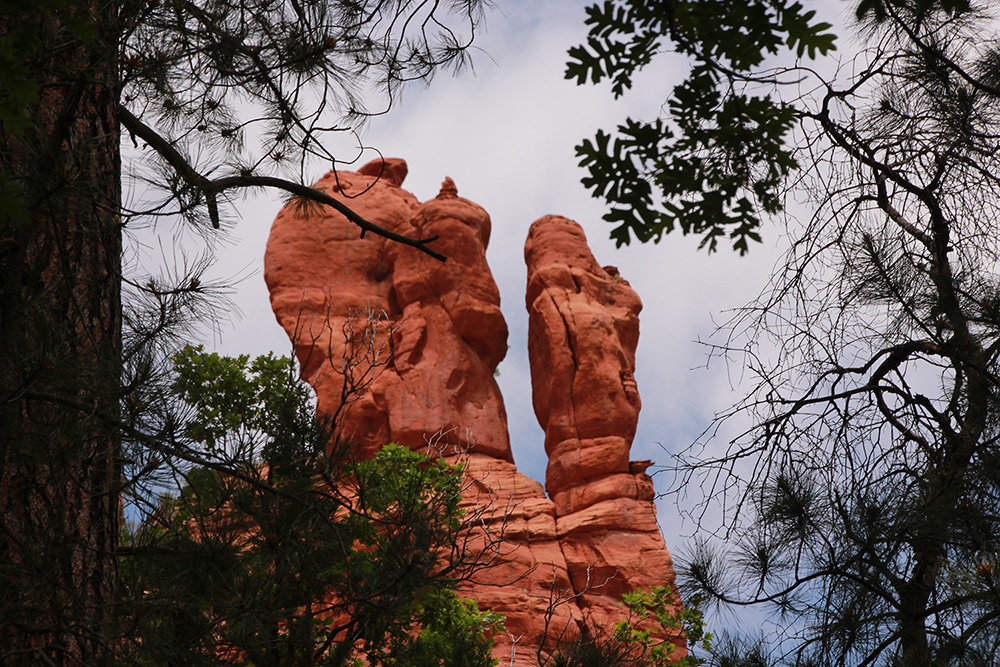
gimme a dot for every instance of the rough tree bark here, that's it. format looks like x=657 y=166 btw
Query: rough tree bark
x=60 y=336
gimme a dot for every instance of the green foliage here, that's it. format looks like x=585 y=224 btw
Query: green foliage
x=633 y=642
x=599 y=652
x=236 y=400
x=862 y=505
x=880 y=10
x=716 y=164
x=662 y=606
x=453 y=633
x=289 y=554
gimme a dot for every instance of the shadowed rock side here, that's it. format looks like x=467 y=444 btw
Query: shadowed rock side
x=434 y=354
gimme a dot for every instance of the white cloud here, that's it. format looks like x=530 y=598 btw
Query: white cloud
x=506 y=135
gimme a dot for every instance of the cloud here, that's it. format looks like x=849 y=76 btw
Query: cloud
x=506 y=134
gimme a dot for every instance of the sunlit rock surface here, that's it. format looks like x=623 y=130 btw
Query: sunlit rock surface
x=403 y=348
x=583 y=329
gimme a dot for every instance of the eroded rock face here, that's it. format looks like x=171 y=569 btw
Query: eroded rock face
x=582 y=335
x=434 y=378
x=422 y=375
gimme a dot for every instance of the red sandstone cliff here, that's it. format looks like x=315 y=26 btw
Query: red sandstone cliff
x=431 y=384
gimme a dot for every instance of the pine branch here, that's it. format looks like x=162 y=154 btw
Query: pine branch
x=212 y=188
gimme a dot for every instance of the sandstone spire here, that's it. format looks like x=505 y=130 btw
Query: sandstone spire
x=582 y=335
x=448 y=332
x=567 y=557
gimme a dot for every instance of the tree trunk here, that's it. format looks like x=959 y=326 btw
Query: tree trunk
x=60 y=349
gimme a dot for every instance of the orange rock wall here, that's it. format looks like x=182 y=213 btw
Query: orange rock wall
x=431 y=385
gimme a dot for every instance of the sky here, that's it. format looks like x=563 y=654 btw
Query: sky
x=505 y=132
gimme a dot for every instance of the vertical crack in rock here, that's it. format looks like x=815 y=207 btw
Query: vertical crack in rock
x=568 y=375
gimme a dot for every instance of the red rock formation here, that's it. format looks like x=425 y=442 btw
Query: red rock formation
x=443 y=327
x=582 y=333
x=447 y=341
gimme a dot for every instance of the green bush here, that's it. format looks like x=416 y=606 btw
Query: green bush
x=281 y=549
x=658 y=612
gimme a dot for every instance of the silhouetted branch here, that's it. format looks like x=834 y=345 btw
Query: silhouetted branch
x=211 y=188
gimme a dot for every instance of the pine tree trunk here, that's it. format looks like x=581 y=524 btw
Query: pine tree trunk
x=60 y=352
